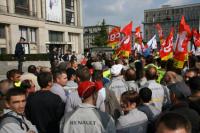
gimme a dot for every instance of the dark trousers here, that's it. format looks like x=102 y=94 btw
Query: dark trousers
x=54 y=64
x=20 y=64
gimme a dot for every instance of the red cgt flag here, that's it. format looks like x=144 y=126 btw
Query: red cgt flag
x=196 y=38
x=138 y=36
x=126 y=39
x=114 y=37
x=160 y=32
x=183 y=38
x=166 y=51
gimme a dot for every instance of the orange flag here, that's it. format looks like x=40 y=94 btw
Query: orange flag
x=180 y=54
x=114 y=37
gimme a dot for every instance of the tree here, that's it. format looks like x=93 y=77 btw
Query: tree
x=102 y=36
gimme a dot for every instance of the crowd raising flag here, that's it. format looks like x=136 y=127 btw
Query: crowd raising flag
x=114 y=37
x=166 y=47
x=125 y=42
x=181 y=52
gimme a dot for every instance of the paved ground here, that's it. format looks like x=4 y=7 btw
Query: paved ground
x=8 y=65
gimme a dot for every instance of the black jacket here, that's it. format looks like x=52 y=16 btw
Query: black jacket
x=19 y=51
x=45 y=110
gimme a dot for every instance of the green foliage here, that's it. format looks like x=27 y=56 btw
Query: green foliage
x=102 y=36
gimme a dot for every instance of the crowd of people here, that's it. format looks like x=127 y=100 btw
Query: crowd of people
x=102 y=95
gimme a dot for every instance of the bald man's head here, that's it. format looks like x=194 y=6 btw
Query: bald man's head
x=130 y=75
x=151 y=73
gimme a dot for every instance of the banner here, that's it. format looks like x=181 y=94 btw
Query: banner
x=114 y=37
x=125 y=42
x=180 y=54
x=166 y=50
x=53 y=10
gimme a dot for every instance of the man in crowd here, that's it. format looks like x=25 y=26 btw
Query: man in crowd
x=53 y=57
x=86 y=118
x=13 y=120
x=130 y=77
x=60 y=80
x=44 y=108
x=31 y=75
x=117 y=83
x=178 y=96
x=157 y=89
x=19 y=53
x=194 y=99
x=13 y=77
x=173 y=123
x=73 y=99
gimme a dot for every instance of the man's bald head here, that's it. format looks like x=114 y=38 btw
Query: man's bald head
x=130 y=75
x=151 y=73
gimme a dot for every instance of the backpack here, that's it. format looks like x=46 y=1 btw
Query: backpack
x=8 y=118
x=111 y=104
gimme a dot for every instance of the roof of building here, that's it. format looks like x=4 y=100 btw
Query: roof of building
x=164 y=7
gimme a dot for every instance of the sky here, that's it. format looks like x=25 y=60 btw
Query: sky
x=121 y=12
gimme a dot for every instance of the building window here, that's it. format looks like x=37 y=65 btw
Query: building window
x=70 y=20
x=2 y=31
x=55 y=36
x=22 y=7
x=69 y=4
x=33 y=35
x=29 y=33
x=23 y=32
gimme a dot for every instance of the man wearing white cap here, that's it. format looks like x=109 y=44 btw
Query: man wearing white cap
x=117 y=83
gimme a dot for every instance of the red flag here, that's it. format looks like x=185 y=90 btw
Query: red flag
x=196 y=38
x=114 y=37
x=166 y=51
x=138 y=36
x=160 y=32
x=126 y=39
x=181 y=44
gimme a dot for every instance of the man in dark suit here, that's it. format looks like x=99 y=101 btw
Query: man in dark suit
x=19 y=53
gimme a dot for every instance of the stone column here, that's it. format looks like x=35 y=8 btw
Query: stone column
x=63 y=12
x=11 y=6
x=43 y=6
x=14 y=37
x=76 y=13
x=30 y=7
x=79 y=12
x=43 y=37
x=38 y=8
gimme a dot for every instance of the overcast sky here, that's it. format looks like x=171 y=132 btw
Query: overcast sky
x=120 y=12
